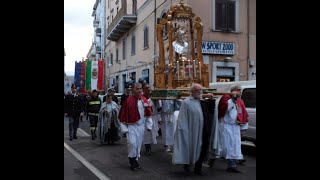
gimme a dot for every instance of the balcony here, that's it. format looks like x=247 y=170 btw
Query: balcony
x=123 y=21
x=98 y=31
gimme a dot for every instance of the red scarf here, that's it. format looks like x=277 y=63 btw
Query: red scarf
x=242 y=116
x=129 y=112
x=147 y=97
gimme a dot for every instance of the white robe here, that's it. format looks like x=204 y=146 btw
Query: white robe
x=214 y=150
x=167 y=116
x=150 y=137
x=104 y=119
x=188 y=136
x=229 y=134
x=135 y=134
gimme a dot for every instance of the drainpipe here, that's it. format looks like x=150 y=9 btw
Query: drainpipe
x=105 y=58
x=155 y=41
x=248 y=24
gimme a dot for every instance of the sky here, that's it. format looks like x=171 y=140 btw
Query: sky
x=78 y=31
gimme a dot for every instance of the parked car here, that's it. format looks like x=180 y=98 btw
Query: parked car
x=248 y=95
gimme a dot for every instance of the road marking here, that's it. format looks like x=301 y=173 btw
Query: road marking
x=81 y=132
x=93 y=169
x=247 y=143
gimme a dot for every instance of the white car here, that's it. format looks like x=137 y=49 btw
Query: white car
x=248 y=96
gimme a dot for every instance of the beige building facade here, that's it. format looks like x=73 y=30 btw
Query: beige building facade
x=228 y=41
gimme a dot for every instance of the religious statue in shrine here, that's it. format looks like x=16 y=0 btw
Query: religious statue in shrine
x=180 y=45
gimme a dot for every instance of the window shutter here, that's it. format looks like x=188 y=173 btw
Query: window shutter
x=117 y=55
x=221 y=15
x=145 y=44
x=231 y=15
x=124 y=49
x=133 y=44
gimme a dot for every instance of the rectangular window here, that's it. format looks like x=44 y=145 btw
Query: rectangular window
x=146 y=38
x=117 y=53
x=124 y=49
x=133 y=76
x=225 y=15
x=145 y=75
x=133 y=45
x=111 y=59
x=249 y=97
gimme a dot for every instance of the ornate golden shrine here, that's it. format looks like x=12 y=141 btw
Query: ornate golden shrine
x=185 y=66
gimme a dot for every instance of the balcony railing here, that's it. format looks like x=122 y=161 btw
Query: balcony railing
x=122 y=22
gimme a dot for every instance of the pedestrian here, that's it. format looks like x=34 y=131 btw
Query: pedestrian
x=73 y=109
x=83 y=104
x=176 y=112
x=135 y=113
x=194 y=125
x=232 y=115
x=108 y=122
x=151 y=129
x=93 y=109
x=127 y=93
x=111 y=91
x=168 y=123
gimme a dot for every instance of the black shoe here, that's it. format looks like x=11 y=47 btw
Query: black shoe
x=186 y=168
x=137 y=165
x=132 y=168
x=75 y=137
x=199 y=173
x=93 y=138
x=241 y=162
x=134 y=164
x=211 y=162
x=148 y=149
x=234 y=170
x=70 y=139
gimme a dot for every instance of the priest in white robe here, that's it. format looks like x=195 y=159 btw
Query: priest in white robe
x=192 y=136
x=151 y=129
x=229 y=129
x=135 y=113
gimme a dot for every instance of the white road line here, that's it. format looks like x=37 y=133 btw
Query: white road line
x=93 y=169
x=247 y=143
x=81 y=132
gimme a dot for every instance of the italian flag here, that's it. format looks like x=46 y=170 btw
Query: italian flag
x=94 y=75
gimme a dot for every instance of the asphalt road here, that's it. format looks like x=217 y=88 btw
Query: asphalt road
x=111 y=161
